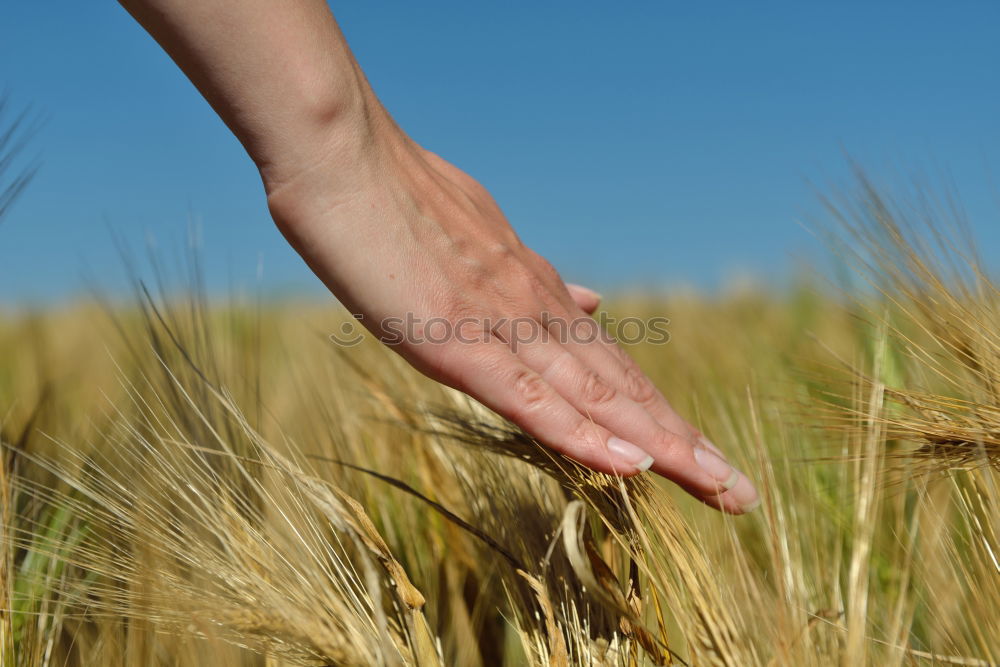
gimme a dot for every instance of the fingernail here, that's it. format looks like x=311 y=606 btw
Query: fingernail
x=585 y=290
x=707 y=444
x=630 y=454
x=717 y=467
x=751 y=507
x=745 y=495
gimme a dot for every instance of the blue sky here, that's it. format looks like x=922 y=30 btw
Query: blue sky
x=641 y=143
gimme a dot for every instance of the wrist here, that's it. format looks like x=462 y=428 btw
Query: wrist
x=326 y=126
x=345 y=156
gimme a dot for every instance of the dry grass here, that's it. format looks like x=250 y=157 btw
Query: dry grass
x=186 y=484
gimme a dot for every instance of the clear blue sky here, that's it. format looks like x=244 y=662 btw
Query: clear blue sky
x=631 y=143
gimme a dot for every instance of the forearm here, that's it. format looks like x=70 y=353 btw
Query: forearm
x=279 y=74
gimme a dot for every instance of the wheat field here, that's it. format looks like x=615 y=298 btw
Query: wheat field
x=196 y=481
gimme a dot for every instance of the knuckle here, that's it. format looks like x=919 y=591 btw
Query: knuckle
x=586 y=435
x=500 y=251
x=595 y=391
x=638 y=386
x=525 y=287
x=530 y=389
x=672 y=445
x=476 y=274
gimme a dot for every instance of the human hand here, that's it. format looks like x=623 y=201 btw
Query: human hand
x=399 y=234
